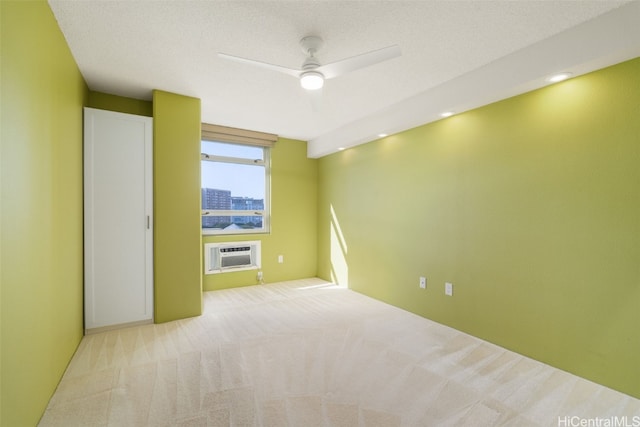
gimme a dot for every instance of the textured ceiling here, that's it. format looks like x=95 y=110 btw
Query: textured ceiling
x=129 y=48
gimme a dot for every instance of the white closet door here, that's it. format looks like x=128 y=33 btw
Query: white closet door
x=118 y=205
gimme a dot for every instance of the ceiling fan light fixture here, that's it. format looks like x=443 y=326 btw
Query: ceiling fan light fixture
x=311 y=80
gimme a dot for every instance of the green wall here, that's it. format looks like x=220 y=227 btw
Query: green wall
x=293 y=222
x=528 y=206
x=41 y=243
x=176 y=199
x=121 y=104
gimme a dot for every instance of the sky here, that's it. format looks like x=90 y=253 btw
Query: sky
x=241 y=180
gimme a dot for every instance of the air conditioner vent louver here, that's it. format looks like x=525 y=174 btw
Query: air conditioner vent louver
x=236 y=249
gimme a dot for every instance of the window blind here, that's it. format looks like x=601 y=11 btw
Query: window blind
x=239 y=136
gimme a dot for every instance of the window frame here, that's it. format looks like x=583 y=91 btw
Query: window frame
x=265 y=213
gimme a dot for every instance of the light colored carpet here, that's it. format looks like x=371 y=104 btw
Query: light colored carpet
x=307 y=353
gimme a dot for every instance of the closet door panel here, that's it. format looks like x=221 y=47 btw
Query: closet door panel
x=118 y=258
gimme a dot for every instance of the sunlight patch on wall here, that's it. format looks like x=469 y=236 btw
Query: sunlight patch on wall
x=339 y=266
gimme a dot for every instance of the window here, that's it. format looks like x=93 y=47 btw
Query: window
x=235 y=188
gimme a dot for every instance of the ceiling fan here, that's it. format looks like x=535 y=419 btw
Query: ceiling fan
x=313 y=74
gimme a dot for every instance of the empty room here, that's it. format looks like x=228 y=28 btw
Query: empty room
x=320 y=213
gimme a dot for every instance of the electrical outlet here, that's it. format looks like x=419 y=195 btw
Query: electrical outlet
x=423 y=283
x=448 y=289
x=280 y=259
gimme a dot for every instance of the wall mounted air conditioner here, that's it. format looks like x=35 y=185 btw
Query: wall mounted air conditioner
x=231 y=256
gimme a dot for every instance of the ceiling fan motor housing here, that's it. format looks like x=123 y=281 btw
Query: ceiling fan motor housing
x=311 y=63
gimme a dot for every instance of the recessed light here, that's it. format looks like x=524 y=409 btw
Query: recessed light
x=447 y=114
x=340 y=148
x=558 y=77
x=382 y=135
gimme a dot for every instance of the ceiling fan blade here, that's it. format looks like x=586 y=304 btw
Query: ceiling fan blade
x=285 y=70
x=315 y=97
x=336 y=69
